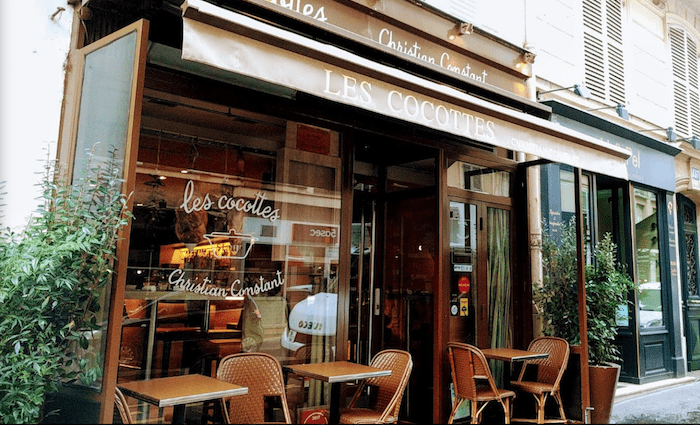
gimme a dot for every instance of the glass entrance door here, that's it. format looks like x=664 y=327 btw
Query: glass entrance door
x=394 y=248
x=480 y=257
x=480 y=274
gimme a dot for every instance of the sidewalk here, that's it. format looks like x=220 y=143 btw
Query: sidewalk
x=626 y=391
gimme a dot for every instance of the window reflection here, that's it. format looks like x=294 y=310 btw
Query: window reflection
x=234 y=247
x=476 y=178
x=648 y=261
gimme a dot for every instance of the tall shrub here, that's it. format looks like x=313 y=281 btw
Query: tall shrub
x=607 y=287
x=52 y=277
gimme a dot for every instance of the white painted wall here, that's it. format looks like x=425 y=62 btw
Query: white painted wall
x=34 y=42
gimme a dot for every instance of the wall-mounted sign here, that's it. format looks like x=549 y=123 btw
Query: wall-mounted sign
x=695 y=178
x=375 y=32
x=463 y=284
x=463 y=268
x=645 y=165
x=464 y=306
x=454 y=309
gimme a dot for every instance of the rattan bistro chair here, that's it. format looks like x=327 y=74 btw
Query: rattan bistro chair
x=548 y=376
x=127 y=412
x=390 y=390
x=122 y=407
x=262 y=374
x=472 y=380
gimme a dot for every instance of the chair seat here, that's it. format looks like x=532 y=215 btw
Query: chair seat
x=363 y=416
x=532 y=387
x=485 y=393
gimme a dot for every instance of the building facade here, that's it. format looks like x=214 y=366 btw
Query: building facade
x=637 y=64
x=324 y=179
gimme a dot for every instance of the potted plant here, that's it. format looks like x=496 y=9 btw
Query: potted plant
x=54 y=275
x=607 y=288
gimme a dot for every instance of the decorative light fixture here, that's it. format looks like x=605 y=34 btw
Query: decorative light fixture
x=157 y=178
x=619 y=108
x=579 y=89
x=462 y=28
x=693 y=140
x=670 y=134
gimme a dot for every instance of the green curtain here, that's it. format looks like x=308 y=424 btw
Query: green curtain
x=499 y=283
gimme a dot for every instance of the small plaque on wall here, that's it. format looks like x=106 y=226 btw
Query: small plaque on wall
x=312 y=139
x=695 y=178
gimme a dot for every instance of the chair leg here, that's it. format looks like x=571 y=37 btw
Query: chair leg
x=506 y=409
x=541 y=401
x=474 y=407
x=562 y=415
x=455 y=405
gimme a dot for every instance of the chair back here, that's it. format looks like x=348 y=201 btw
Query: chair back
x=122 y=406
x=551 y=369
x=262 y=374
x=470 y=370
x=390 y=388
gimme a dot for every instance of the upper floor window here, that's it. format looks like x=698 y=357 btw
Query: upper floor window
x=686 y=90
x=603 y=53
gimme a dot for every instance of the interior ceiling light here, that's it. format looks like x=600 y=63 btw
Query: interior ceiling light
x=579 y=89
x=619 y=108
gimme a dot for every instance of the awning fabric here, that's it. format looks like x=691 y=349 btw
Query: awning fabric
x=233 y=42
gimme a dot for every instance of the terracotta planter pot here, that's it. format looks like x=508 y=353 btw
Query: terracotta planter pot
x=603 y=381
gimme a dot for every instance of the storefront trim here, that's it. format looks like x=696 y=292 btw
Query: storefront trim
x=486 y=64
x=242 y=45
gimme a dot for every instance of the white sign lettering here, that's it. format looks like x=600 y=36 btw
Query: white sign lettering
x=191 y=203
x=176 y=278
x=305 y=9
x=408 y=106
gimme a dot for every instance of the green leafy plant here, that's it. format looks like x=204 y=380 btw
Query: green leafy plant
x=53 y=275
x=607 y=287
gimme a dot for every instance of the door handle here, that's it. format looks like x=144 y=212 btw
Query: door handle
x=377 y=294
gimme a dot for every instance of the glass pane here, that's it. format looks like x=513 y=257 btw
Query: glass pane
x=473 y=177
x=103 y=122
x=568 y=207
x=463 y=256
x=233 y=248
x=106 y=96
x=648 y=261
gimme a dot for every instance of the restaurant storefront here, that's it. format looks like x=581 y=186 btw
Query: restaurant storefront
x=311 y=202
x=641 y=217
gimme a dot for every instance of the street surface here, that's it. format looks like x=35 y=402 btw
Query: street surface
x=675 y=405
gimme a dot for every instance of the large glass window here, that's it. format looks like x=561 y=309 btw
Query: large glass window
x=477 y=178
x=647 y=258
x=234 y=245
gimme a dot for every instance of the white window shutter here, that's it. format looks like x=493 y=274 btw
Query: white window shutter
x=686 y=86
x=603 y=53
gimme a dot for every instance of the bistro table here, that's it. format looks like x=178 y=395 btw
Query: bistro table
x=336 y=373
x=511 y=355
x=177 y=391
